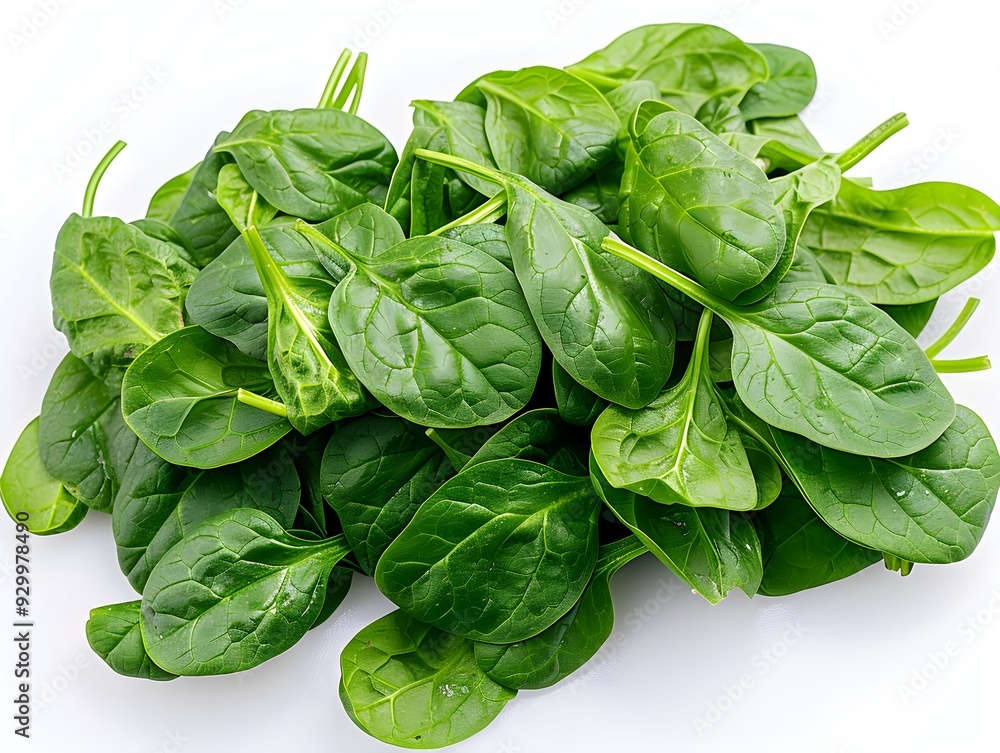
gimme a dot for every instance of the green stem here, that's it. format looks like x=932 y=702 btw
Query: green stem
x=259 y=401
x=333 y=82
x=955 y=329
x=897 y=564
x=460 y=164
x=457 y=459
x=963 y=365
x=303 y=227
x=872 y=141
x=612 y=557
x=95 y=179
x=488 y=212
x=672 y=277
x=355 y=84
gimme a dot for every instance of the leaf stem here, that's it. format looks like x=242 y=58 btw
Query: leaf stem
x=333 y=82
x=612 y=557
x=872 y=141
x=456 y=458
x=460 y=164
x=955 y=329
x=487 y=213
x=95 y=179
x=303 y=227
x=963 y=365
x=897 y=564
x=355 y=84
x=259 y=401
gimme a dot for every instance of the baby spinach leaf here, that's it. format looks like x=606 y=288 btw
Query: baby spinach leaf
x=607 y=326
x=158 y=502
x=184 y=398
x=560 y=650
x=313 y=164
x=540 y=436
x=338 y=585
x=464 y=128
x=766 y=471
x=801 y=551
x=913 y=317
x=376 y=472
x=722 y=115
x=236 y=591
x=805 y=267
x=534 y=528
x=690 y=63
x=31 y=496
x=310 y=372
x=931 y=506
x=437 y=330
x=700 y=206
x=168 y=197
x=115 y=290
x=113 y=633
x=486 y=237
x=908 y=245
x=598 y=194
x=199 y=218
x=790 y=86
x=822 y=362
x=412 y=685
x=576 y=404
x=625 y=100
x=243 y=205
x=713 y=551
x=680 y=449
x=228 y=298
x=548 y=125
x=786 y=143
x=78 y=431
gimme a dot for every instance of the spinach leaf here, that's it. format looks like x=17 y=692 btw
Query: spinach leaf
x=199 y=218
x=790 y=86
x=310 y=372
x=376 y=472
x=805 y=268
x=464 y=128
x=486 y=237
x=700 y=206
x=914 y=317
x=540 y=436
x=31 y=496
x=236 y=591
x=822 y=362
x=197 y=401
x=410 y=684
x=498 y=553
x=399 y=198
x=606 y=325
x=243 y=205
x=437 y=330
x=548 y=125
x=560 y=650
x=338 y=585
x=78 y=432
x=690 y=63
x=909 y=245
x=766 y=470
x=598 y=194
x=228 y=298
x=931 y=506
x=158 y=503
x=313 y=164
x=713 y=551
x=722 y=115
x=786 y=143
x=113 y=633
x=115 y=290
x=576 y=404
x=680 y=449
x=801 y=551
x=168 y=197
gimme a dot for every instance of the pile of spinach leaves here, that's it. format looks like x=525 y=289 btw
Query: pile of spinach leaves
x=630 y=306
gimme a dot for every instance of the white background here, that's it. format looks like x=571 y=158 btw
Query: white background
x=833 y=685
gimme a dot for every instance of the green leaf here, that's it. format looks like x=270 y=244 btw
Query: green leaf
x=313 y=164
x=168 y=197
x=690 y=63
x=486 y=237
x=464 y=129
x=412 y=685
x=78 y=432
x=913 y=317
x=904 y=246
x=497 y=554
x=549 y=126
x=577 y=405
x=243 y=205
x=158 y=502
x=790 y=86
x=181 y=397
x=700 y=206
x=542 y=437
x=115 y=290
x=722 y=115
x=713 y=551
x=236 y=591
x=31 y=496
x=113 y=633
